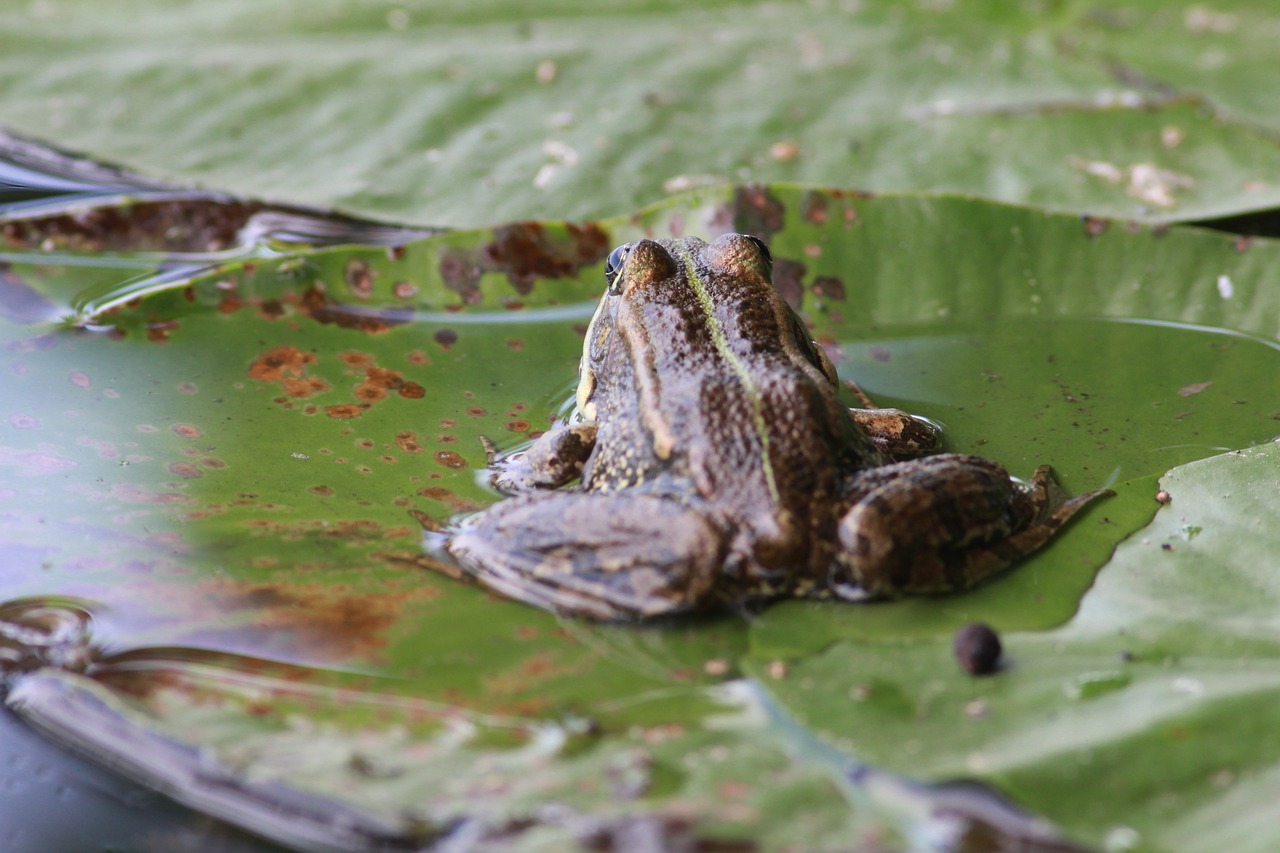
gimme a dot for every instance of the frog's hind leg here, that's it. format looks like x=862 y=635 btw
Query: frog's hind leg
x=609 y=557
x=945 y=523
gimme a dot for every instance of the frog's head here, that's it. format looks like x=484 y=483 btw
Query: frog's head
x=676 y=275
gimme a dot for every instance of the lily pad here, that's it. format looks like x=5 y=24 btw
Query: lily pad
x=224 y=473
x=1138 y=725
x=465 y=114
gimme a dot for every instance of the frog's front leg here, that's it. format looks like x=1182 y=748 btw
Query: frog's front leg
x=555 y=458
x=899 y=434
x=944 y=524
x=618 y=556
x=896 y=433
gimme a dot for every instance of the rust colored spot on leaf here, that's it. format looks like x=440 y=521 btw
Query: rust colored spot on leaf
x=158 y=333
x=355 y=359
x=359 y=277
x=322 y=491
x=185 y=470
x=408 y=442
x=412 y=390
x=278 y=362
x=813 y=207
x=346 y=411
x=449 y=459
x=315 y=621
x=187 y=430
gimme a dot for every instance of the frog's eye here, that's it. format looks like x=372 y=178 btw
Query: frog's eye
x=764 y=250
x=613 y=266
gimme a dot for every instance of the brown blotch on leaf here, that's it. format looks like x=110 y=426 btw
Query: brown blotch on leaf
x=449 y=459
x=408 y=442
x=524 y=252
x=527 y=251
x=412 y=390
x=181 y=225
x=185 y=470
x=445 y=338
x=322 y=491
x=187 y=430
x=307 y=386
x=316 y=304
x=359 y=277
x=788 y=278
x=158 y=333
x=460 y=271
x=316 y=621
x=813 y=207
x=278 y=362
x=1095 y=226
x=757 y=211
x=345 y=412
x=355 y=359
x=829 y=286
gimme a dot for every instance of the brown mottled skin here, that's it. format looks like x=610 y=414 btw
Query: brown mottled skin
x=718 y=465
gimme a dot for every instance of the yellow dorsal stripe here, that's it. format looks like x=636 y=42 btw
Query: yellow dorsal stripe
x=721 y=343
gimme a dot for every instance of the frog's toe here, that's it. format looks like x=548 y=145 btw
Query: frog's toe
x=642 y=557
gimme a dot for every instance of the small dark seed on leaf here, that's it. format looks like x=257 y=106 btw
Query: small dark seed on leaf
x=977 y=648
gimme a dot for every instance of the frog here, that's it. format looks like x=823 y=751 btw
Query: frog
x=712 y=463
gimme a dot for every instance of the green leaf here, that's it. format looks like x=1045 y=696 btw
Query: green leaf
x=229 y=465
x=1142 y=720
x=466 y=114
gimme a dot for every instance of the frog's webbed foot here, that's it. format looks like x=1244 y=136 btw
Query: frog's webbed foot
x=945 y=523
x=554 y=459
x=615 y=557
